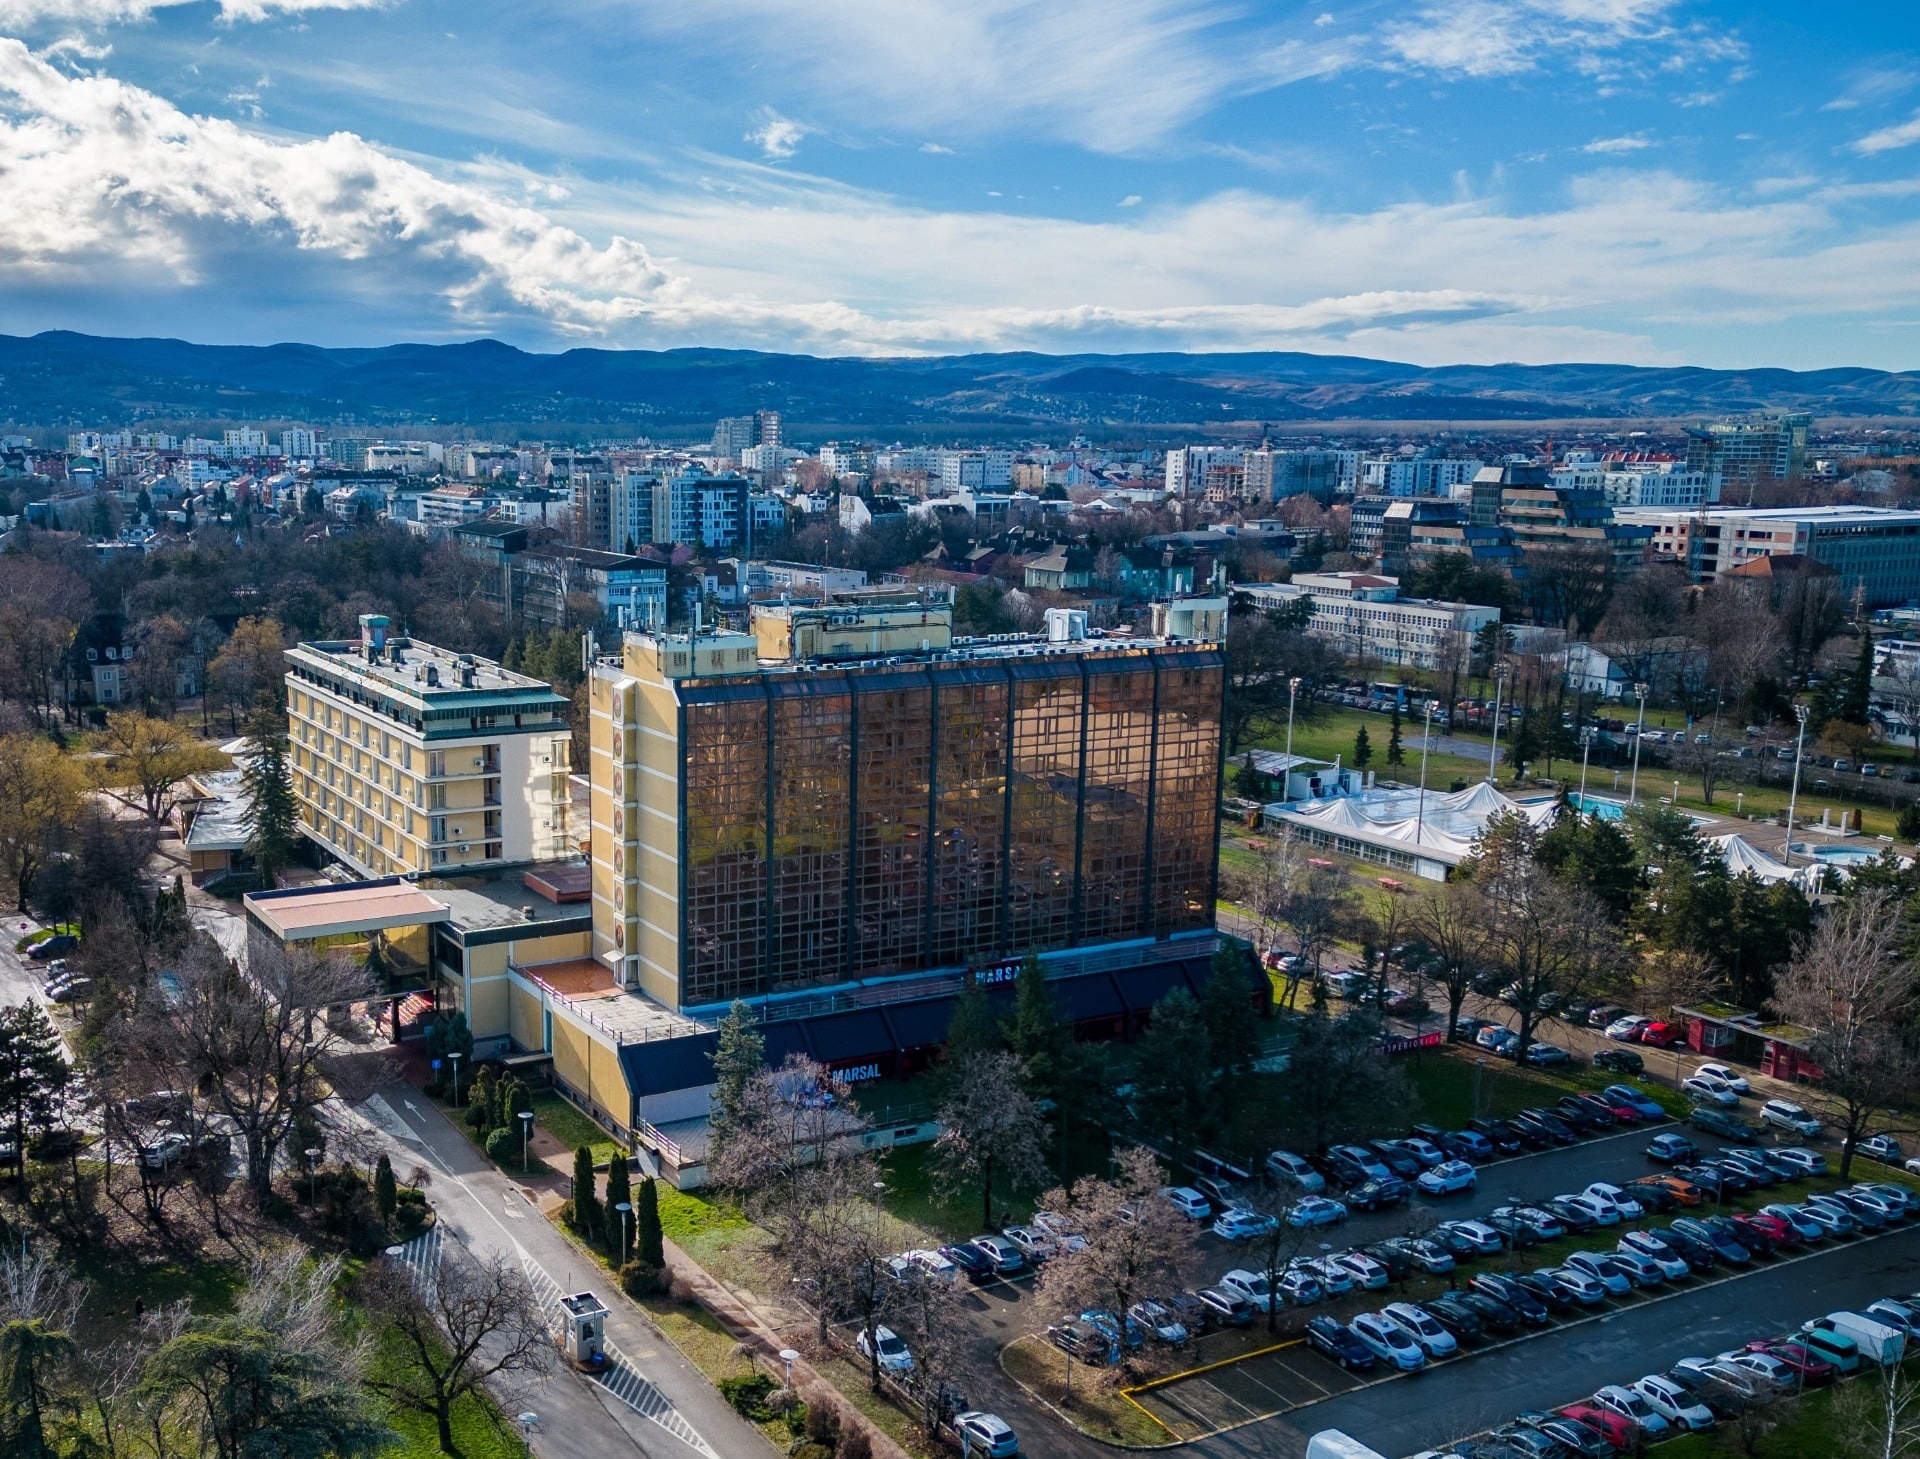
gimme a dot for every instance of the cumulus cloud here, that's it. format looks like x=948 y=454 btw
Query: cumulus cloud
x=1616 y=146
x=1889 y=139
x=1131 y=200
x=124 y=183
x=777 y=137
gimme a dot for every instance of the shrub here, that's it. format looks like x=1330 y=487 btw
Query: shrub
x=747 y=1392
x=1907 y=824
x=503 y=1147
x=823 y=1423
x=811 y=1451
x=854 y=1444
x=639 y=1279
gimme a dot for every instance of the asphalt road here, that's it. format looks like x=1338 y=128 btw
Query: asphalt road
x=1429 y=1409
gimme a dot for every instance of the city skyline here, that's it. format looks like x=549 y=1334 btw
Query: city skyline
x=1648 y=181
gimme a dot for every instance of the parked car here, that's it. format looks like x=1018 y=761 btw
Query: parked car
x=894 y=1357
x=1390 y=1343
x=1623 y=1201
x=1620 y=1061
x=1238 y=1224
x=1704 y=1089
x=1603 y=1014
x=1662 y=1035
x=1727 y=1075
x=1332 y=1337
x=1652 y=1246
x=1224 y=1309
x=1187 y=1201
x=1804 y=1225
x=1423 y=1253
x=1642 y=1271
x=1403 y=1164
x=1810 y=1368
x=1620 y=1433
x=48 y=948
x=1477 y=1236
x=1672 y=1149
x=1638 y=1100
x=1377 y=1195
x=1159 y=1321
x=1299 y=1287
x=1546 y=1289
x=1582 y=1287
x=1884 y=1148
x=1798 y=1159
x=1627 y=1029
x=1632 y=1405
x=1458 y=1318
x=1249 y=1287
x=1724 y=1123
x=1450 y=1178
x=1784 y=1114
x=1316 y=1211
x=1367 y=1272
x=985 y=1434
x=1599 y=1210
x=1427 y=1332
x=1603 y=1269
x=1008 y=1260
x=1425 y=1151
x=1467 y=1145
x=1674 y=1403
x=972 y=1263
x=1290 y=1169
x=1501 y=1288
x=1494 y=1315
x=1077 y=1340
x=1500 y=1135
x=1724 y=1247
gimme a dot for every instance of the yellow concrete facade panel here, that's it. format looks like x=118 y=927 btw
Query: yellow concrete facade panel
x=525 y=1021
x=487 y=1008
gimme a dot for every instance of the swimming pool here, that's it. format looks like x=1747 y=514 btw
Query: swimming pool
x=1837 y=855
x=1606 y=810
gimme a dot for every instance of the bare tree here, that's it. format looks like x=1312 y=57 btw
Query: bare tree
x=1878 y=1416
x=1279 y=1243
x=1295 y=901
x=990 y=1130
x=1549 y=941
x=1853 y=983
x=925 y=1316
x=253 y=1042
x=472 y=1326
x=1448 y=920
x=1897 y=686
x=1136 y=1243
x=1702 y=762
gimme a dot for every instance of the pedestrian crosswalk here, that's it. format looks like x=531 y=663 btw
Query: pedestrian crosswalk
x=421 y=1256
x=620 y=1377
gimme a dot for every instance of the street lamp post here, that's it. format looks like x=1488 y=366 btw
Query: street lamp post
x=1793 y=796
x=1639 y=734
x=1293 y=688
x=1499 y=684
x=1426 y=740
x=625 y=1208
x=1586 y=749
x=789 y=1356
x=313 y=1175
x=526 y=1128
x=456 y=1079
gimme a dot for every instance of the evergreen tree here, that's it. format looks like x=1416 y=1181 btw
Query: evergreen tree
x=1362 y=749
x=33 y=1075
x=586 y=1205
x=737 y=1061
x=1396 y=752
x=267 y=778
x=975 y=1025
x=1174 y=1088
x=386 y=1190
x=649 y=1244
x=480 y=1103
x=1524 y=747
x=619 y=1189
x=1037 y=1032
x=1226 y=1008
x=1858 y=692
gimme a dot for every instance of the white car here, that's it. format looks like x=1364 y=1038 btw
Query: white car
x=1807 y=1162
x=1604 y=1212
x=1421 y=1325
x=894 y=1357
x=1236 y=1223
x=1784 y=1114
x=1603 y=1269
x=986 y=1435
x=1301 y=1288
x=1641 y=1269
x=1388 y=1341
x=1735 y=1081
x=1249 y=1287
x=1058 y=1230
x=1633 y=1406
x=1702 y=1089
x=1187 y=1201
x=1774 y=1373
x=1291 y=1169
x=934 y=1265
x=1583 y=1287
x=1448 y=1178
x=1368 y=1274
x=1650 y=1248
x=1477 y=1234
x=1673 y=1403
x=1316 y=1211
x=1627 y=1030
x=1613 y=1195
x=1425 y=1151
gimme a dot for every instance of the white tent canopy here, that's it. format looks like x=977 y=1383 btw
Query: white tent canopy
x=1442 y=828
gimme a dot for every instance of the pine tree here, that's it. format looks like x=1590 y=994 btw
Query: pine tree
x=975 y=1025
x=33 y=1076
x=650 y=1245
x=1858 y=693
x=1396 y=754
x=619 y=1189
x=386 y=1190
x=586 y=1205
x=1226 y=1007
x=1362 y=749
x=1524 y=748
x=1037 y=1032
x=737 y=1060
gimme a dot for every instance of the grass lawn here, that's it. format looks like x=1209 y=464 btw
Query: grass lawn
x=911 y=1199
x=1331 y=737
x=850 y=1380
x=1097 y=1410
x=480 y=1431
x=573 y=1129
x=115 y=1285
x=702 y=1228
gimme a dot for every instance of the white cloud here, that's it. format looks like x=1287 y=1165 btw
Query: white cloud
x=776 y=136
x=1131 y=200
x=1888 y=139
x=1616 y=146
x=934 y=149
x=27 y=14
x=1489 y=38
x=1325 y=17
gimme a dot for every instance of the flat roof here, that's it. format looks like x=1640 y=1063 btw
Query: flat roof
x=622 y=1013
x=505 y=898
x=303 y=913
x=223 y=820
x=402 y=669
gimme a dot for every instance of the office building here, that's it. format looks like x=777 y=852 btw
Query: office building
x=888 y=801
x=1874 y=550
x=551 y=585
x=1365 y=615
x=1750 y=453
x=407 y=758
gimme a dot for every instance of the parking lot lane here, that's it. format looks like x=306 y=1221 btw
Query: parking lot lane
x=1401 y=1417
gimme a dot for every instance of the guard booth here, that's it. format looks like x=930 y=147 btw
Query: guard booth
x=583 y=1331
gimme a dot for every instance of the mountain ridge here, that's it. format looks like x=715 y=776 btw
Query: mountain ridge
x=60 y=378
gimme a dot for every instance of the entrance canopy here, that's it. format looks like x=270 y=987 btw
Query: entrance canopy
x=306 y=914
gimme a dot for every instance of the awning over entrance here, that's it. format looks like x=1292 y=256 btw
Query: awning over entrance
x=303 y=914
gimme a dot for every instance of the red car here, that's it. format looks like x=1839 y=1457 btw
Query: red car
x=1617 y=1429
x=1663 y=1035
x=1811 y=1367
x=1772 y=1227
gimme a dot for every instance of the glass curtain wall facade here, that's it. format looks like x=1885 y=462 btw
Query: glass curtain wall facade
x=879 y=821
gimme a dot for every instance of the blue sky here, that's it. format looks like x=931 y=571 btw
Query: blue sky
x=1656 y=181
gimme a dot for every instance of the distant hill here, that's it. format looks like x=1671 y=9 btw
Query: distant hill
x=64 y=380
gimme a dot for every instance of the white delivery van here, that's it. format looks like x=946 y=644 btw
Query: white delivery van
x=1878 y=1342
x=1332 y=1444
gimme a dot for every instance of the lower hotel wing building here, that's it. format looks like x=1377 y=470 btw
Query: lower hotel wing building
x=838 y=816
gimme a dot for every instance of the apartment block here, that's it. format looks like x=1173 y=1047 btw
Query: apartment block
x=407 y=758
x=1875 y=550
